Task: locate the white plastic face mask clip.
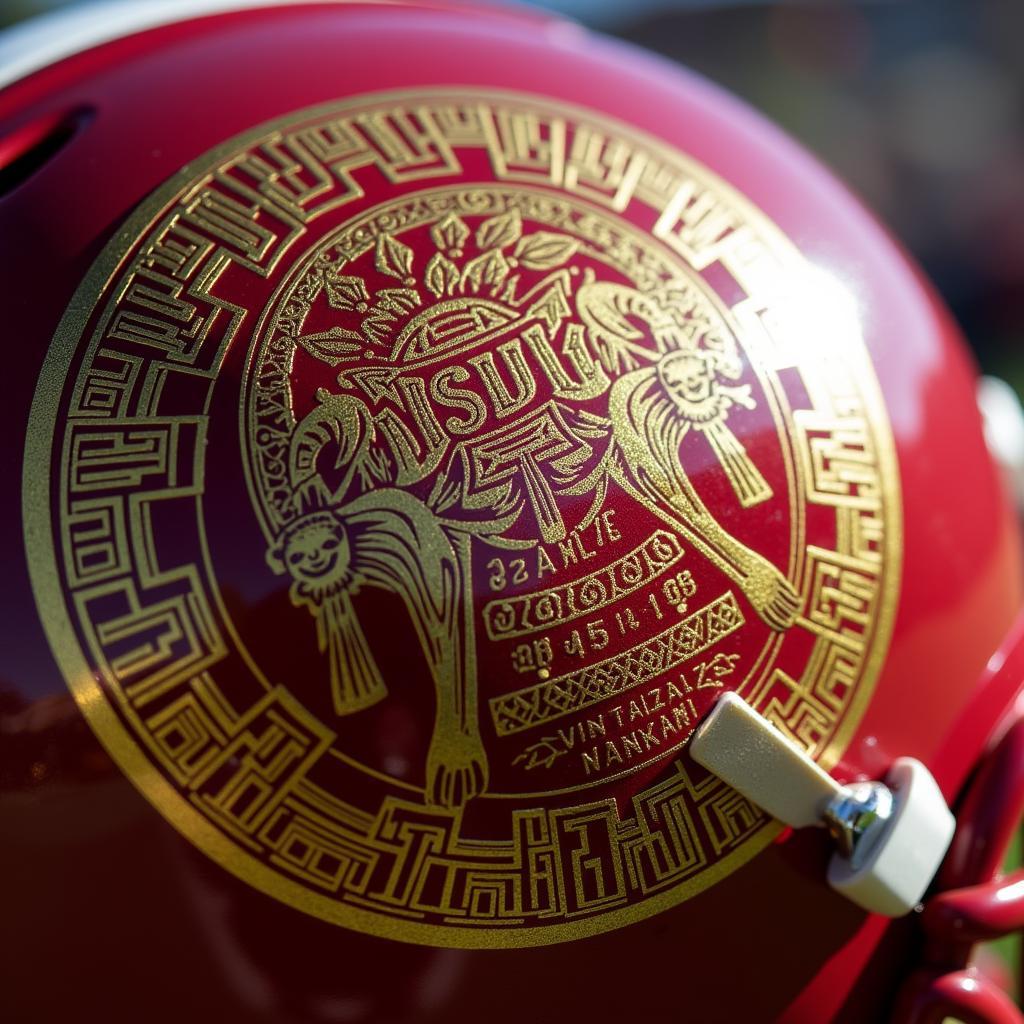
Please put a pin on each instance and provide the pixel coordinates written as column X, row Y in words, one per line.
column 891, row 837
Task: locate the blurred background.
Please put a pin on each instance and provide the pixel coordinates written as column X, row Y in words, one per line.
column 917, row 104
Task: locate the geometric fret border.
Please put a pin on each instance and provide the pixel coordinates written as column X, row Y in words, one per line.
column 139, row 636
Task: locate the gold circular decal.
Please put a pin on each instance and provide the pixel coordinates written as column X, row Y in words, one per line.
column 407, row 480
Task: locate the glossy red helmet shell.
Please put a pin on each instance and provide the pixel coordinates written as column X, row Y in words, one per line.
column 509, row 394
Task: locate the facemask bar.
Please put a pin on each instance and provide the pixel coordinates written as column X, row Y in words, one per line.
column 972, row 901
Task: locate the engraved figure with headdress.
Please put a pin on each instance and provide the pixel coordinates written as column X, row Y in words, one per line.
column 683, row 383
column 387, row 538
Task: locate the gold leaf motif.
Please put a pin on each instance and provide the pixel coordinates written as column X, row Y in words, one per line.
column 393, row 257
column 449, row 233
column 442, row 275
column 346, row 292
column 491, row 268
column 543, row 250
column 497, row 232
column 379, row 326
column 397, row 300
column 333, row 346
column 391, row 304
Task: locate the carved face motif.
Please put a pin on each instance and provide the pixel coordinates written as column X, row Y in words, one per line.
column 317, row 553
column 687, row 378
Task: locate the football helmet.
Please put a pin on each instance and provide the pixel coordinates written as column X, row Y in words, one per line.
column 486, row 496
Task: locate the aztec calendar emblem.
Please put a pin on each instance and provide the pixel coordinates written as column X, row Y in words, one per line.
column 421, row 468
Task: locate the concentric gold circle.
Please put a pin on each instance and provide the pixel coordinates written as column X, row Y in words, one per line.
column 510, row 381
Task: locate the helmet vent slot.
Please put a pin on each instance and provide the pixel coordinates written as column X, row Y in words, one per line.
column 29, row 148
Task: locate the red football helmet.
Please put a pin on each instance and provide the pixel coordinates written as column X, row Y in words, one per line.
column 480, row 485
